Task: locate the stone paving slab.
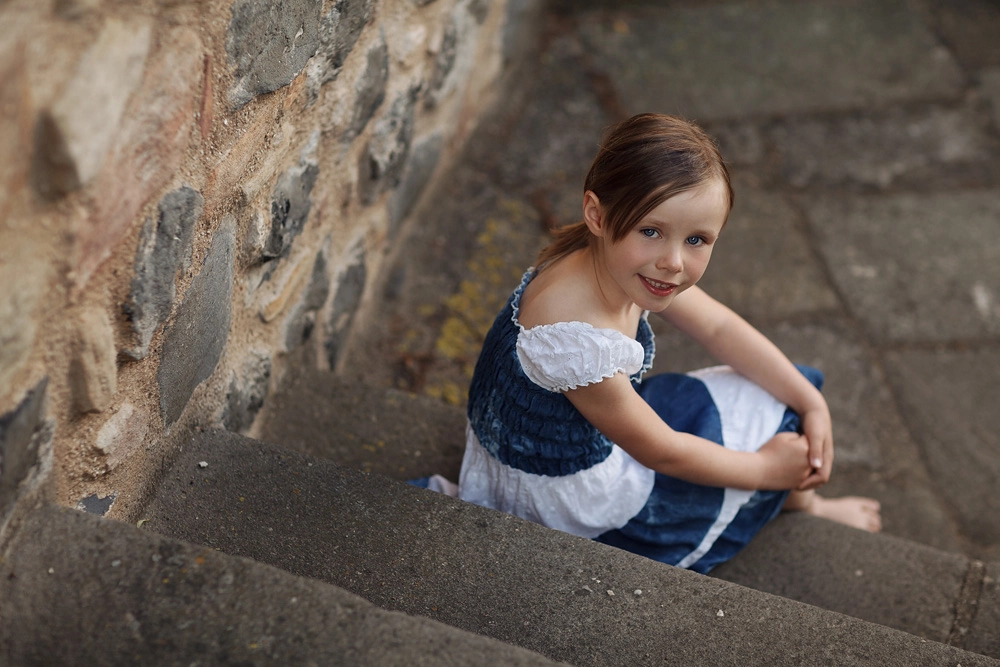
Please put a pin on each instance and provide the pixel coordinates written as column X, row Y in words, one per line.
column 912, row 267
column 750, row 59
column 763, row 266
column 949, row 399
column 423, row 553
column 80, row 590
column 932, row 147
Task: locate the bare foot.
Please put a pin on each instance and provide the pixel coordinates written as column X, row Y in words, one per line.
column 863, row 513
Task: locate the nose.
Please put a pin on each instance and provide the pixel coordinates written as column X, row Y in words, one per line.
column 671, row 260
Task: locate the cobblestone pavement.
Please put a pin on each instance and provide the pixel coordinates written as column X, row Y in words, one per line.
column 864, row 140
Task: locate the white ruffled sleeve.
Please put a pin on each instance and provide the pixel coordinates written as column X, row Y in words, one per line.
column 567, row 355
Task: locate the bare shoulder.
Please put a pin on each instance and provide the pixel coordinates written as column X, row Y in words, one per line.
column 559, row 293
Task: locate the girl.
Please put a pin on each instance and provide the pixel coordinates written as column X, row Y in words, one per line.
column 563, row 428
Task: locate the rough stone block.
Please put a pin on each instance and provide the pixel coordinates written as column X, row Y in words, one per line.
column 416, row 175
column 381, row 164
column 97, row 504
column 290, row 205
column 924, row 285
column 18, row 266
column 73, row 137
column 23, row 434
column 339, row 32
column 247, row 391
column 194, row 343
column 713, row 61
column 269, row 44
column 444, row 63
column 302, row 319
column 350, row 287
column 369, row 88
column 123, row 433
column 970, row 30
column 164, row 248
column 94, row 372
column 149, row 146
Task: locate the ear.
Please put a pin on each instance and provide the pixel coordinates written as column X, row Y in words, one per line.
column 593, row 214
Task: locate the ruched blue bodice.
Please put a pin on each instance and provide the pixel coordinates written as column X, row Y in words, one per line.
column 524, row 425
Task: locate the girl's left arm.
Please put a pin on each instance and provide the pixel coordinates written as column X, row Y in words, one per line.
column 733, row 341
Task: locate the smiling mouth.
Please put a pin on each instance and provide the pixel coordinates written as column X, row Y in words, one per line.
column 658, row 288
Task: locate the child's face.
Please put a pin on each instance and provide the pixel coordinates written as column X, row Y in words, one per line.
column 668, row 251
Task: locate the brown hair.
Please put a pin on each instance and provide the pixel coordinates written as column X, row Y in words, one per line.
column 642, row 162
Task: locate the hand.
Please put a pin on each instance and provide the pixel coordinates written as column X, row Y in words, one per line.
column 818, row 430
column 785, row 462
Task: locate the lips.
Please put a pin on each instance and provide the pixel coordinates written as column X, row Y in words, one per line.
column 657, row 288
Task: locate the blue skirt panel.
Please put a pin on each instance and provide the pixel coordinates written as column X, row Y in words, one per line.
column 673, row 525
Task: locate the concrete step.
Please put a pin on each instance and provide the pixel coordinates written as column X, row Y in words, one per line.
column 927, row 592
column 410, row 550
column 76, row 589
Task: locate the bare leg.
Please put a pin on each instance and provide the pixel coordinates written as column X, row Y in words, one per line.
column 863, row 513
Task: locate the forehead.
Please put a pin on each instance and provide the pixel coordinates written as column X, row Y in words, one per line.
column 707, row 205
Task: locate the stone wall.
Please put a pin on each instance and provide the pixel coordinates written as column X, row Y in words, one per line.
column 191, row 191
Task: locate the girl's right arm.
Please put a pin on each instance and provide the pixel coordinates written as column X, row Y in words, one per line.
column 617, row 411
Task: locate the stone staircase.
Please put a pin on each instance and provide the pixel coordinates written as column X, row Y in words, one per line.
column 312, row 553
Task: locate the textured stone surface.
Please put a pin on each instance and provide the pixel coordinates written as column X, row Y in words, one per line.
column 338, row 33
column 269, row 44
column 445, row 60
column 888, row 581
column 384, row 156
column 194, row 342
column 164, row 248
column 762, row 266
column 970, row 29
column 290, row 206
column 369, row 88
column 933, row 144
column 388, row 432
column 714, row 61
column 915, row 267
column 948, row 398
column 420, row 166
column 149, row 146
column 104, row 593
column 18, row 308
column 302, row 318
column 415, row 551
column 984, row 635
column 248, row 389
column 94, row 370
column 74, row 136
column 122, row 434
column 23, row 433
column 350, row 287
column 990, row 86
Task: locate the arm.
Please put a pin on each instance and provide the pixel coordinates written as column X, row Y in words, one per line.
column 616, row 410
column 732, row 340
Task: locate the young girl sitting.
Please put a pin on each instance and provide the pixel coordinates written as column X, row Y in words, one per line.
column 563, row 428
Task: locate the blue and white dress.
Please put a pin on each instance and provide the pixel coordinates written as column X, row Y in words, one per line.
column 530, row 453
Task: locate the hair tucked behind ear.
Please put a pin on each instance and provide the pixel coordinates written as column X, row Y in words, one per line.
column 641, row 163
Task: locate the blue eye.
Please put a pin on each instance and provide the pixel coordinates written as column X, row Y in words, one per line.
column 695, row 240
column 649, row 233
